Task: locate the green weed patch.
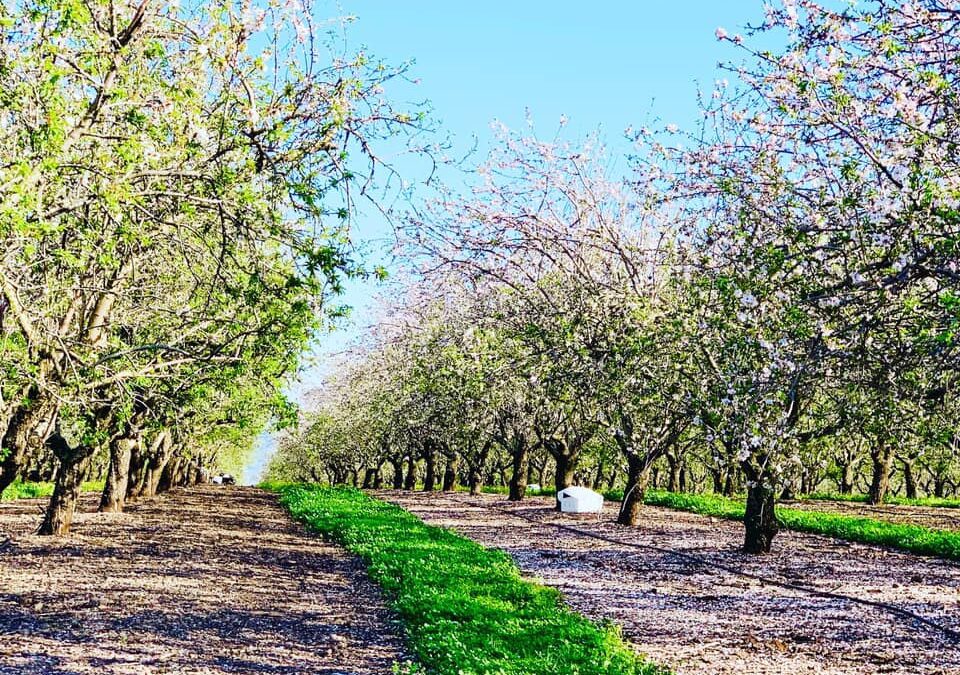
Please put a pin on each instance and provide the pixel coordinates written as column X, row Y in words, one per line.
column 32, row 490
column 911, row 538
column 465, row 607
column 936, row 502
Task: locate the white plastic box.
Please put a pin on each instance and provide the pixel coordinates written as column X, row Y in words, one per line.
column 580, row 500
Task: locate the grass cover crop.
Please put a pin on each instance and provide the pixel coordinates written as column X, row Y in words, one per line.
column 912, row 538
column 32, row 490
column 936, row 502
column 465, row 607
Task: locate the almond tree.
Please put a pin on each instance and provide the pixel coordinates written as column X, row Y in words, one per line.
column 172, row 206
column 822, row 190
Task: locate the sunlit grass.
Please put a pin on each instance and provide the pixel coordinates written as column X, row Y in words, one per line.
column 465, row 607
column 34, row 490
column 938, row 502
column 912, row 538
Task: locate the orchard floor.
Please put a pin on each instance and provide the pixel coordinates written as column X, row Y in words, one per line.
column 205, row 580
column 699, row 619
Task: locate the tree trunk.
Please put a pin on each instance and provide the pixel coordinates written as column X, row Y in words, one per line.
column 612, row 478
column 909, row 482
column 175, row 472
column 477, row 461
column 730, row 484
column 597, row 484
column 138, row 458
column 521, row 470
column 638, row 473
column 115, row 488
column 370, row 478
column 450, row 474
column 397, row 473
column 847, row 476
column 939, row 487
column 788, row 493
column 673, row 483
column 157, row 463
column 563, row 475
column 66, row 491
column 717, row 474
column 19, row 436
column 882, row 459
column 760, row 519
column 430, row 474
column 411, row 480
column 475, row 479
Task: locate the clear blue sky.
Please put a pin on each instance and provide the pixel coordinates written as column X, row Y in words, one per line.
column 603, row 63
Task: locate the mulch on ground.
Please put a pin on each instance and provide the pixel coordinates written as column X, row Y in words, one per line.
column 697, row 618
column 205, row 580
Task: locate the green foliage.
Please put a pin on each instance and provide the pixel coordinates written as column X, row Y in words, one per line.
column 912, row 538
column 937, row 502
column 466, row 608
column 33, row 490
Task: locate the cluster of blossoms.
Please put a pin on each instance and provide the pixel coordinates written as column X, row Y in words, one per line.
column 759, row 297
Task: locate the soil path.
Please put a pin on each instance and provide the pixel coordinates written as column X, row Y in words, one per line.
column 699, row 619
column 206, row 580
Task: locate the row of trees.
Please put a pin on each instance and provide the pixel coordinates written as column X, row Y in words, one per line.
column 762, row 303
column 175, row 187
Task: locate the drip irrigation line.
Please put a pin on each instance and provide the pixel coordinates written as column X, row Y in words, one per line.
column 952, row 634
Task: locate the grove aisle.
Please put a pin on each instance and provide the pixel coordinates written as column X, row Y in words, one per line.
column 205, row 580
column 699, row 619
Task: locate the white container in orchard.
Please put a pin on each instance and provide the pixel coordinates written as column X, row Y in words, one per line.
column 534, row 487
column 580, row 500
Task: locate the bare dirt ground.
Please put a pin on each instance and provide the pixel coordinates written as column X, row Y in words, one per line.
column 936, row 517
column 206, row 580
column 696, row 618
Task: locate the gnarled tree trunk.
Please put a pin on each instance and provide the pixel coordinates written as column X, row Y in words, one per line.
column 881, row 457
column 909, row 481
column 114, row 494
column 430, row 460
column 66, row 491
column 410, row 482
column 760, row 519
column 450, row 473
column 847, row 477
column 638, row 473
column 673, row 484
column 397, row 463
column 477, row 462
column 158, row 463
column 520, row 452
column 25, row 427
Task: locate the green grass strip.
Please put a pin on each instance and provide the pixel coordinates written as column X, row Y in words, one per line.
column 934, row 502
column 33, row 490
column 912, row 538
column 465, row 607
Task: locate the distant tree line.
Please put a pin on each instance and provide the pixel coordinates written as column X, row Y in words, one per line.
column 767, row 305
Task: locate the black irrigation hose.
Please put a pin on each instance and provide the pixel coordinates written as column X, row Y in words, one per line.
column 952, row 634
